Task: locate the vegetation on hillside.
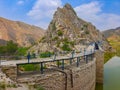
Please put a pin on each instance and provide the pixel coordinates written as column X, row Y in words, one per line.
column 108, row 56
column 116, row 46
column 12, row 49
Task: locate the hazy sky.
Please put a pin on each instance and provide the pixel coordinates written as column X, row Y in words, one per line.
column 104, row 14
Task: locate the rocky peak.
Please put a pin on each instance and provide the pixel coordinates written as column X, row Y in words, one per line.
column 68, row 30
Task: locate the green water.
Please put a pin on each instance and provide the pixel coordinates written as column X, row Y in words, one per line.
column 112, row 74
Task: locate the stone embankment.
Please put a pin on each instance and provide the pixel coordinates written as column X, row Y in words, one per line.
column 74, row 78
column 83, row 77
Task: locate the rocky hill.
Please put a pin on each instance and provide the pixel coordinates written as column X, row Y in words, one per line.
column 112, row 34
column 21, row 33
column 67, row 32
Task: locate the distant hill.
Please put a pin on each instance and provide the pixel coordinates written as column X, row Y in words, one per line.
column 67, row 32
column 20, row 32
column 113, row 37
column 112, row 32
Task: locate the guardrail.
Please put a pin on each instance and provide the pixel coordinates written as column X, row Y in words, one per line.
column 74, row 58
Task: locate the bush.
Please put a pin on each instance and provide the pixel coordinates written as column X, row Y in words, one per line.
column 2, row 86
column 72, row 43
column 55, row 38
column 22, row 51
column 66, row 47
column 46, row 54
column 30, row 67
column 87, row 32
column 58, row 63
column 60, row 33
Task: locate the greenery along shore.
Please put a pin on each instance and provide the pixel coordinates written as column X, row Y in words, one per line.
column 116, row 50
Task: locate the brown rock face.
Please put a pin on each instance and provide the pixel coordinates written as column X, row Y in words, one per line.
column 68, row 29
column 19, row 32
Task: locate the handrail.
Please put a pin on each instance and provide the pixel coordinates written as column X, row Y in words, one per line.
column 85, row 55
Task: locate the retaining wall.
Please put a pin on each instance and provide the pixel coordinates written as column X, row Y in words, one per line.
column 76, row 78
column 73, row 78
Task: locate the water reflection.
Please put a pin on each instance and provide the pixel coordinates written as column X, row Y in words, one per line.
column 112, row 74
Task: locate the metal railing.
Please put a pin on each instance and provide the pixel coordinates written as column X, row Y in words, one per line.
column 73, row 59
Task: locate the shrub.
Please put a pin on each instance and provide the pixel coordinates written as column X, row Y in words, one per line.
column 87, row 32
column 58, row 43
column 66, row 47
column 65, row 40
column 58, row 63
column 72, row 43
column 22, row 51
column 60, row 33
column 46, row 54
column 55, row 38
column 30, row 67
column 2, row 86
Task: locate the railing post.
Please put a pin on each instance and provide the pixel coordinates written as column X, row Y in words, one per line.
column 55, row 56
column 70, row 61
column 41, row 67
column 80, row 50
column 63, row 64
column 73, row 52
column 17, row 71
column 58, row 63
column 86, row 58
column 84, row 54
column 78, row 61
column 91, row 54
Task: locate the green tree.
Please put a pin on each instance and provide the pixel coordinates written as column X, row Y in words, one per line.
column 22, row 51
column 11, row 47
column 3, row 49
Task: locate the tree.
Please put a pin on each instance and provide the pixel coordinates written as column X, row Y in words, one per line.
column 11, row 47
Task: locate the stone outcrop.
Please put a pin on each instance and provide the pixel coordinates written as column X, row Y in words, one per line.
column 21, row 33
column 67, row 29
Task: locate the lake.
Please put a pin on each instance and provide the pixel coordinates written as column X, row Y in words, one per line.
column 112, row 74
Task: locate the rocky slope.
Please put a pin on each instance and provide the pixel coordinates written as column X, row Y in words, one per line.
column 112, row 34
column 67, row 32
column 21, row 33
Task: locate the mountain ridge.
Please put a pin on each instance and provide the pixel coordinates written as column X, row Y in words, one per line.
column 19, row 32
column 112, row 32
